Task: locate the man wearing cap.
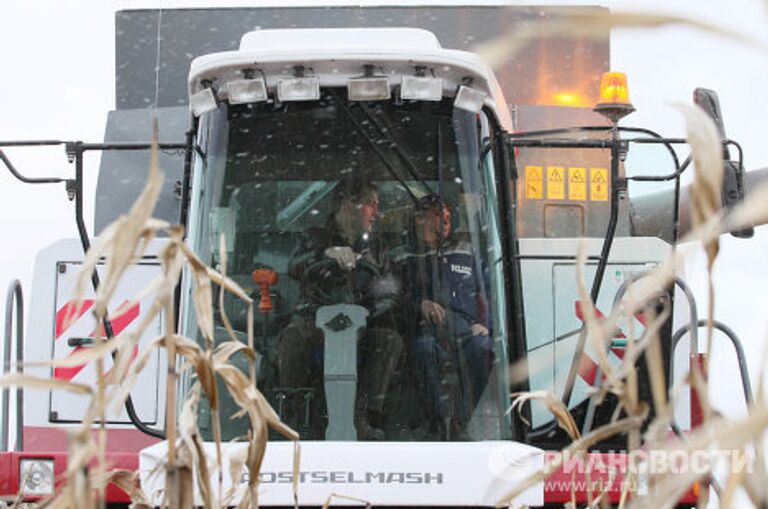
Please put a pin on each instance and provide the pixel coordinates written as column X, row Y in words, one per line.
column 446, row 317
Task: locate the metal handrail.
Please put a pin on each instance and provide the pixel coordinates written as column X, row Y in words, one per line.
column 744, row 372
column 14, row 295
column 692, row 311
column 746, row 385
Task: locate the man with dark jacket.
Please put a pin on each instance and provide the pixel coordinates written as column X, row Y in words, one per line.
column 342, row 263
column 446, row 317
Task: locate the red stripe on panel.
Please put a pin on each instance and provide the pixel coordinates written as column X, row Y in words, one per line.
column 69, row 314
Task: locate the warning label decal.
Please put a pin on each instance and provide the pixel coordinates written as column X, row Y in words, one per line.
column 534, row 183
column 577, row 184
column 555, row 183
column 598, row 184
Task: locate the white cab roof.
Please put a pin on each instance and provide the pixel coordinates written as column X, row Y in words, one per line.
column 336, row 54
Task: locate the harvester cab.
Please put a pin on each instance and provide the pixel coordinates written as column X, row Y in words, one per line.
column 284, row 142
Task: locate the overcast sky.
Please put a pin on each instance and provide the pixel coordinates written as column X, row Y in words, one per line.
column 58, row 83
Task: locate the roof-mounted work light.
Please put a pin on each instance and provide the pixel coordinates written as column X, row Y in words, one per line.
column 614, row 97
column 368, row 87
column 247, row 90
column 373, row 88
column 204, row 100
column 299, row 88
column 421, row 88
column 469, row 99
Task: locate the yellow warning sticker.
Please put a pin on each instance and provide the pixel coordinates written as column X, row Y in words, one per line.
column 577, row 184
column 598, row 184
column 555, row 183
column 534, row 183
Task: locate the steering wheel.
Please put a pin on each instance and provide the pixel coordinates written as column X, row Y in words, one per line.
column 324, row 278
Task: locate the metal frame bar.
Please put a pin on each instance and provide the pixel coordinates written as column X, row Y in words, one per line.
column 746, row 384
column 14, row 294
column 75, row 151
column 618, row 147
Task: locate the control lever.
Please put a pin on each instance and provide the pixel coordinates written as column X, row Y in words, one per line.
column 265, row 278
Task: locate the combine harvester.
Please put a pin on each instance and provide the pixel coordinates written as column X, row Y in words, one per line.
column 276, row 124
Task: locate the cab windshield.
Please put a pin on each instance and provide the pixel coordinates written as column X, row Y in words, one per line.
column 373, row 227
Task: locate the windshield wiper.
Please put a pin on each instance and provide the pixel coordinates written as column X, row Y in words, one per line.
column 386, row 133
column 384, row 159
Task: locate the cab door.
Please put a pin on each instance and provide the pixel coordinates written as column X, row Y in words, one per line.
column 77, row 329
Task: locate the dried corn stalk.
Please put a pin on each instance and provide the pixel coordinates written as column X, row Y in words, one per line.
column 569, row 23
column 554, row 405
column 120, row 245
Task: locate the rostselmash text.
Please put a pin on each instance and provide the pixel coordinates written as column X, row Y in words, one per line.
column 349, row 477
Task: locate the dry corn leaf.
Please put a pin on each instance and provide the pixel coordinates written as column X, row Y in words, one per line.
column 127, row 481
column 647, row 288
column 251, row 364
column 120, row 244
column 261, row 415
column 734, row 481
column 575, row 23
column 272, row 418
column 580, row 445
column 222, row 308
column 243, row 393
column 719, row 433
column 104, row 246
column 86, row 355
column 63, row 499
column 597, row 334
column 655, row 362
column 217, row 278
column 88, row 266
column 131, row 229
column 164, row 288
column 203, row 299
column 330, row 498
column 237, row 459
column 636, row 348
column 605, row 488
column 296, row 470
column 554, row 405
column 225, row 350
column 33, row 382
column 189, row 436
column 707, row 156
column 180, row 484
column 250, row 398
column 82, row 449
column 170, row 399
column 706, row 191
column 123, row 390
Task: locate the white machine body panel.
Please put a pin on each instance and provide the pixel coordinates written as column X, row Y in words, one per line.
column 553, row 316
column 381, row 473
column 49, row 333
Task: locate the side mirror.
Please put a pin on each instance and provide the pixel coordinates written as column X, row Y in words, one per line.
column 707, row 100
column 733, row 172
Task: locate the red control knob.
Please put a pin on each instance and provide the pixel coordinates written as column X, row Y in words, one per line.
column 265, row 278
